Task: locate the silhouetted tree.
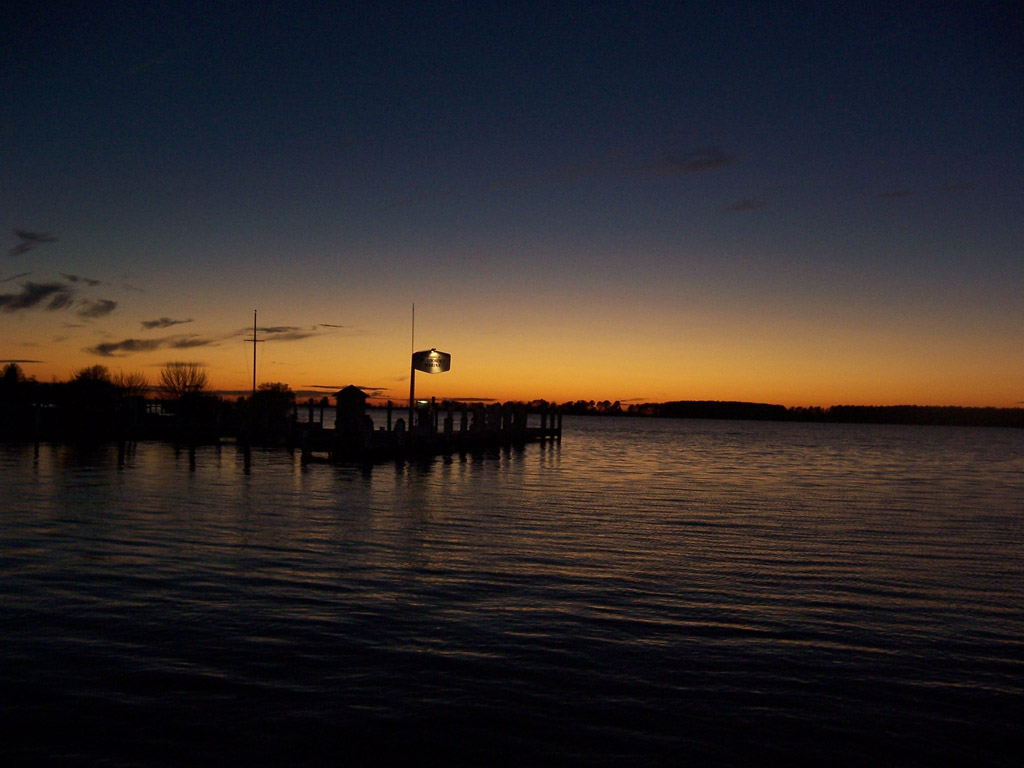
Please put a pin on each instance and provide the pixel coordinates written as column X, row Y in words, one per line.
column 269, row 410
column 92, row 373
column 178, row 380
column 12, row 374
column 17, row 393
column 13, row 383
column 131, row 383
column 92, row 386
column 88, row 404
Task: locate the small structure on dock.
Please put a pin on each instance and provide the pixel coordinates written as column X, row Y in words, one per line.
column 351, row 409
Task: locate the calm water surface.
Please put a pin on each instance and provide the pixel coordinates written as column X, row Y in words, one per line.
column 648, row 592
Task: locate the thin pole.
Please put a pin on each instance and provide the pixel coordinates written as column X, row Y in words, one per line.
column 254, row 341
column 254, row 351
column 412, row 367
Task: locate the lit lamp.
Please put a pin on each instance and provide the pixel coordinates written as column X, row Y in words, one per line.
column 428, row 361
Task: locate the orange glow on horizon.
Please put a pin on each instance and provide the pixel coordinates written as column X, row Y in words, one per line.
column 546, row 350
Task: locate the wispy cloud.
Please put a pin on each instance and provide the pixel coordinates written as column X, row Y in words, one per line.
column 130, row 346
column 694, row 161
column 113, row 348
column 281, row 332
column 286, row 332
column 18, row 360
column 29, row 241
column 79, row 279
column 15, row 277
column 163, row 322
column 188, row 342
column 293, row 334
column 50, row 296
column 749, row 204
column 278, row 329
column 54, row 297
column 94, row 309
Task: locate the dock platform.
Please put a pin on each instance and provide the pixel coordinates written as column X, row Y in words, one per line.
column 470, row 430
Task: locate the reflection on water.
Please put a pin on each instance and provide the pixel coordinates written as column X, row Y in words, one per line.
column 648, row 590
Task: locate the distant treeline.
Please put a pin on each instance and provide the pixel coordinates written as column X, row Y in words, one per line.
column 863, row 414
column 97, row 404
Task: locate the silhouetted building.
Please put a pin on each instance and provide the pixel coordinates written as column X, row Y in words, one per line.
column 350, row 421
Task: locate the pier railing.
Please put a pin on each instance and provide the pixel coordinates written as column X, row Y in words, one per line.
column 452, row 428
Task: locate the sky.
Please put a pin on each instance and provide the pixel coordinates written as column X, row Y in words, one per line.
column 796, row 203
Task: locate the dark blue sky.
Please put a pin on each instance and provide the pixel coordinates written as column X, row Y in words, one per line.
column 761, row 183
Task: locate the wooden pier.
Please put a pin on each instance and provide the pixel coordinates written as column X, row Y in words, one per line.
column 437, row 431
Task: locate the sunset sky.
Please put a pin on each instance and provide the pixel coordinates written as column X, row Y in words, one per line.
column 796, row 203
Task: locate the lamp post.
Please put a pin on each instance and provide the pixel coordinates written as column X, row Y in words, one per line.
column 427, row 361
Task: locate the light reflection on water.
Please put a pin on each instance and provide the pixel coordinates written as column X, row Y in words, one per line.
column 647, row 590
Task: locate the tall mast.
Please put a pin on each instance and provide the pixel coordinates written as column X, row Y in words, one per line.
column 254, row 341
column 254, row 351
column 412, row 368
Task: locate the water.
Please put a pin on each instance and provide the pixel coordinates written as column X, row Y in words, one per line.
column 649, row 592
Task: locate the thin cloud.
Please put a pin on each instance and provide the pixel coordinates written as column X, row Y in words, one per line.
column 274, row 329
column 119, row 348
column 282, row 332
column 79, row 279
column 163, row 322
column 198, row 363
column 745, row 205
column 30, row 241
column 18, row 360
column 697, row 161
column 188, row 342
column 35, row 237
column 93, row 309
column 15, row 277
column 287, row 333
column 49, row 296
column 63, row 300
column 131, row 346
